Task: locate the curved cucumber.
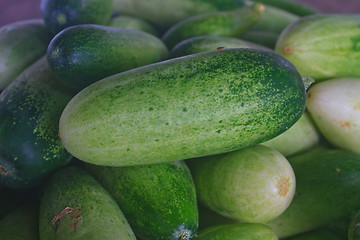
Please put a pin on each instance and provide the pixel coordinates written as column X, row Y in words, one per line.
column 83, row 54
column 164, row 196
column 75, row 206
column 30, row 108
column 21, row 44
column 323, row 46
column 201, row 104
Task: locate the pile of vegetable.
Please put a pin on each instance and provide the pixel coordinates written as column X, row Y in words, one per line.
column 180, row 119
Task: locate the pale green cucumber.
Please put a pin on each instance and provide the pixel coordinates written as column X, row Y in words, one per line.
column 201, row 104
column 323, row 46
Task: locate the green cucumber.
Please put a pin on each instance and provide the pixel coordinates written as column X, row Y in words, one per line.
column 323, row 46
column 316, row 235
column 131, row 22
column 86, row 53
column 75, row 206
column 164, row 196
column 244, row 231
column 327, row 183
column 60, row 14
column 30, row 109
column 208, row 43
column 230, row 23
column 252, row 185
column 294, row 7
column 264, row 38
column 21, row 44
column 201, row 104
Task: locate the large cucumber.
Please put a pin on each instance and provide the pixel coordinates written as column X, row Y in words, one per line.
column 323, row 46
column 30, row 108
column 164, row 196
column 21, row 44
column 201, row 104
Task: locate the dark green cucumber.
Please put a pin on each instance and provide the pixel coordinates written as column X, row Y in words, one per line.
column 131, row 22
column 192, row 106
column 327, row 188
column 60, row 14
column 264, row 38
column 21, row 44
column 158, row 200
column 75, row 206
column 230, row 23
column 291, row 6
column 30, row 108
column 241, row 231
column 83, row 54
column 21, row 223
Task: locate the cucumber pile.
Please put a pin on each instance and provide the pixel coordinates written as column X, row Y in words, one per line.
column 179, row 120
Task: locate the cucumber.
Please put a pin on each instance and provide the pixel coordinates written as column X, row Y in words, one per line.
column 230, row 23
column 315, row 235
column 131, row 22
column 187, row 107
column 252, row 185
column 291, row 6
column 60, row 14
column 21, row 223
column 21, row 44
column 30, row 109
column 323, row 46
column 75, row 206
column 334, row 106
column 164, row 196
column 86, row 53
column 326, row 190
column 264, row 38
column 301, row 137
column 244, row 231
column 208, row 43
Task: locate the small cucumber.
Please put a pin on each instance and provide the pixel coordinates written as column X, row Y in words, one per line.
column 131, row 22
column 21, row 44
column 60, row 14
column 158, row 200
column 253, row 185
column 243, row 231
column 327, row 183
column 323, row 46
column 75, row 206
column 230, row 23
column 208, row 43
column 86, row 53
column 30, row 109
column 187, row 107
column 294, row 7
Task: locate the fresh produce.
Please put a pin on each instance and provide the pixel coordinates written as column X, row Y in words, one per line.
column 21, row 44
column 316, row 235
column 290, row 6
column 201, row 104
column 354, row 226
column 131, row 22
column 83, row 54
column 264, row 38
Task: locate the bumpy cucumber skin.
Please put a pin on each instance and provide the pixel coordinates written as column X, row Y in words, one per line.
column 60, row 14
column 94, row 214
column 21, row 44
column 323, row 46
column 164, row 196
column 30, row 108
column 326, row 190
column 83, row 54
column 244, row 231
column 230, row 23
column 201, row 104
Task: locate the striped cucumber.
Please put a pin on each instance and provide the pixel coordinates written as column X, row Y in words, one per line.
column 201, row 104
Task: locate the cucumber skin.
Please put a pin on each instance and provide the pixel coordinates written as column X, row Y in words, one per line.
column 100, row 216
column 21, row 44
column 184, row 108
column 326, row 190
column 131, row 22
column 83, row 54
column 290, row 6
column 30, row 108
column 164, row 196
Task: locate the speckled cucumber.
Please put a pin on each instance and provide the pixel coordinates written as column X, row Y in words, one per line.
column 21, row 44
column 30, row 108
column 244, row 231
column 230, row 23
column 164, row 196
column 192, row 106
column 83, row 54
column 60, row 14
column 75, row 206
